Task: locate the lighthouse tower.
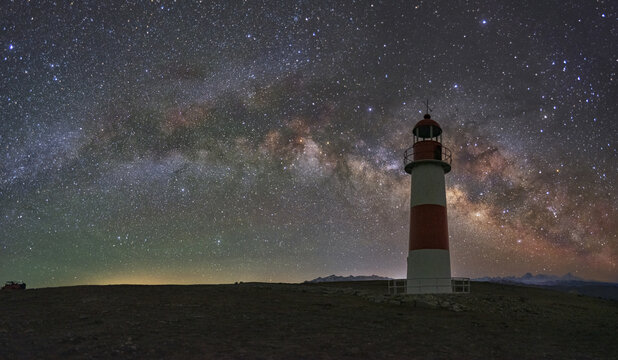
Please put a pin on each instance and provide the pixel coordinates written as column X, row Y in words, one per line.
column 429, row 263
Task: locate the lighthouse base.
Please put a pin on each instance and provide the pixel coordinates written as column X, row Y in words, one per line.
column 429, row 272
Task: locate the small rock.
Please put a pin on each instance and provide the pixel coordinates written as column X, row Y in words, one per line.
column 457, row 308
column 377, row 299
column 408, row 300
column 426, row 304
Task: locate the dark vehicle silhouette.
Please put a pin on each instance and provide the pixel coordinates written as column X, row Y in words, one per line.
column 14, row 285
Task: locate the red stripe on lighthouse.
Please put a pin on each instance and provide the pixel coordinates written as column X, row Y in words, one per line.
column 428, row 227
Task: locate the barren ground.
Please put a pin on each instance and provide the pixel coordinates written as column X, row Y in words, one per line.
column 297, row 321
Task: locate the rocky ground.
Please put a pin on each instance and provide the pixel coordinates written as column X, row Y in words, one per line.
column 353, row 320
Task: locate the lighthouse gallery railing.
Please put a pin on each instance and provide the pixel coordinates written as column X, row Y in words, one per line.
column 445, row 155
column 459, row 285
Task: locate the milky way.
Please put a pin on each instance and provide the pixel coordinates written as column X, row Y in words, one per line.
column 178, row 142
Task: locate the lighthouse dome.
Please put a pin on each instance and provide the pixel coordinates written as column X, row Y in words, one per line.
column 427, row 128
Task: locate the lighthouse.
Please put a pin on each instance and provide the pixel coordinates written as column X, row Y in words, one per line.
column 427, row 161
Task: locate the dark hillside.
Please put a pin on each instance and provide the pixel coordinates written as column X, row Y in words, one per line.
column 303, row 321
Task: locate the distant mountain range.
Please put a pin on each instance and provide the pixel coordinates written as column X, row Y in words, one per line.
column 528, row 279
column 539, row 279
column 334, row 278
column 567, row 283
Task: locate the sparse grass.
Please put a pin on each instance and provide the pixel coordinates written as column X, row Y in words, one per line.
column 302, row 321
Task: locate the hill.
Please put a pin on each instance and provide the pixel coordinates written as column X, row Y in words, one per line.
column 566, row 283
column 530, row 279
column 334, row 320
column 336, row 278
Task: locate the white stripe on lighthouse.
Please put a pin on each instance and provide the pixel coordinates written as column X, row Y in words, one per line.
column 428, row 185
column 429, row 272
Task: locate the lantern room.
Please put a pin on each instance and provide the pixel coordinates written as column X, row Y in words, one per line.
column 427, row 145
column 427, row 129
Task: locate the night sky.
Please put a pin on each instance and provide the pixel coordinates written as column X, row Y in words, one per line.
column 179, row 142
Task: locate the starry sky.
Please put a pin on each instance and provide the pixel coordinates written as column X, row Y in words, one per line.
column 210, row 142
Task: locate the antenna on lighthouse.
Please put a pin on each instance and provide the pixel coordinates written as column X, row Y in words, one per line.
column 428, row 109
